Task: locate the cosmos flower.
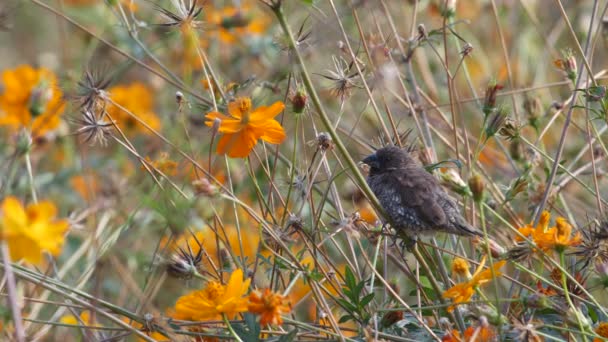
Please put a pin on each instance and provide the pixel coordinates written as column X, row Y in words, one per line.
column 268, row 305
column 558, row 237
column 244, row 126
column 137, row 99
column 215, row 300
column 32, row 230
column 462, row 292
column 30, row 98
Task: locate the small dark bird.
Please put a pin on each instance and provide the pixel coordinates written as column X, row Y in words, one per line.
column 412, row 198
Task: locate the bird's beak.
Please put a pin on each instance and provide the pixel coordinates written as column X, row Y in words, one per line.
column 372, row 161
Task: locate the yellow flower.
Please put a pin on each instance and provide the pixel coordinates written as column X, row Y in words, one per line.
column 29, row 231
column 242, row 129
column 462, row 292
column 85, row 318
column 461, row 267
column 137, row 99
column 545, row 238
column 215, row 300
column 269, row 305
column 30, row 98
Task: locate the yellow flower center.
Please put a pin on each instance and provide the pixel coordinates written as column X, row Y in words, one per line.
column 214, row 290
column 460, row 267
column 244, row 108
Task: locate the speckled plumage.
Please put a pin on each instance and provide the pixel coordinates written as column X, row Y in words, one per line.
column 412, row 197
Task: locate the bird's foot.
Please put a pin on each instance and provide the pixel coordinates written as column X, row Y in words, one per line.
column 408, row 242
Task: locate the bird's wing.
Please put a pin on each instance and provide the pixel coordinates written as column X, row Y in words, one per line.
column 418, row 190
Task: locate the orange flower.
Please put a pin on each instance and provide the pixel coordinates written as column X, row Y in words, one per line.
column 163, row 164
column 269, row 305
column 233, row 23
column 452, row 336
column 602, row 330
column 32, row 230
column 242, row 129
column 462, row 292
column 214, row 300
column 30, row 98
column 479, row 334
column 137, row 99
column 545, row 238
column 86, row 185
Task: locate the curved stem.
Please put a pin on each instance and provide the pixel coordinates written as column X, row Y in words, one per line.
column 232, row 332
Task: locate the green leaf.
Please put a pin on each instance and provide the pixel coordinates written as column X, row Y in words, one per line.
column 367, row 299
column 346, row 318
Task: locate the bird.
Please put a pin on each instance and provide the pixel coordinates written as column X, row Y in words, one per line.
column 412, row 198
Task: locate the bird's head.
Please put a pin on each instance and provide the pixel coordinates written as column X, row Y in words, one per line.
column 387, row 159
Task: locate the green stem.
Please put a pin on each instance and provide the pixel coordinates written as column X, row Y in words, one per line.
column 562, row 261
column 232, row 332
column 323, row 115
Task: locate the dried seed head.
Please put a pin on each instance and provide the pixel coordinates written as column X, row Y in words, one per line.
column 510, row 130
column 184, row 262
column 594, row 245
column 519, row 185
column 92, row 88
column 520, row 252
column 324, row 141
column 94, row 128
column 467, row 49
column 203, row 187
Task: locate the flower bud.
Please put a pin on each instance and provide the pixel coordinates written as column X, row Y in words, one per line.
column 495, row 122
column 298, row 101
column 476, row 185
column 489, row 102
column 534, row 110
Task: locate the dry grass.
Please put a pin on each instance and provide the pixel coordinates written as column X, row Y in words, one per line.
column 503, row 101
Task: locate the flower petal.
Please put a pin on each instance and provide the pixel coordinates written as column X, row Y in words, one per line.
column 265, row 113
column 237, row 145
column 14, row 216
column 271, row 131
